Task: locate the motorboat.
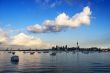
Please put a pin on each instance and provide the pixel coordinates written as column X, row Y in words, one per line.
column 32, row 53
column 38, row 52
column 53, row 54
column 15, row 58
column 13, row 53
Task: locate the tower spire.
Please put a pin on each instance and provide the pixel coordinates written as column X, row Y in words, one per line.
column 77, row 44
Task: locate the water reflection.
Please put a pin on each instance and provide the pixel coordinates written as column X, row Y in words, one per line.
column 15, row 63
column 99, row 68
column 62, row 62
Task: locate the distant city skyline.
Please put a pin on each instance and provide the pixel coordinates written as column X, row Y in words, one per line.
column 45, row 23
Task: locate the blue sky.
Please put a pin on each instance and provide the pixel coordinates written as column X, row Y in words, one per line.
column 19, row 14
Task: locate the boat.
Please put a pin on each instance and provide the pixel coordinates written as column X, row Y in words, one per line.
column 32, row 53
column 53, row 54
column 13, row 53
column 38, row 52
column 15, row 58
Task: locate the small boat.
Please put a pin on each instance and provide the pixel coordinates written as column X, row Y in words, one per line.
column 38, row 52
column 32, row 53
column 15, row 58
column 13, row 53
column 53, row 54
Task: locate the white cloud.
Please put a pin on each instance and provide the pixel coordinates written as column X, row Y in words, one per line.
column 63, row 21
column 35, row 27
column 3, row 37
column 28, row 41
column 21, row 40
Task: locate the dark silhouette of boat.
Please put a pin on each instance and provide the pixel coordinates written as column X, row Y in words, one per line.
column 38, row 52
column 13, row 53
column 53, row 54
column 15, row 58
column 32, row 53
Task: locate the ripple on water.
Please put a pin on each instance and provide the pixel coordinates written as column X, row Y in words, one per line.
column 99, row 68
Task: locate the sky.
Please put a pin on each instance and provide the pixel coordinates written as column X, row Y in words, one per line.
column 46, row 23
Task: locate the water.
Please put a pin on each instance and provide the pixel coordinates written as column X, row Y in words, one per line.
column 62, row 62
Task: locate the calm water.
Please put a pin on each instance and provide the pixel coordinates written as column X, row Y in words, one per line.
column 63, row 62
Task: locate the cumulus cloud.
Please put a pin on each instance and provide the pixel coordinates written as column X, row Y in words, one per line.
column 21, row 40
column 28, row 41
column 3, row 37
column 63, row 21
